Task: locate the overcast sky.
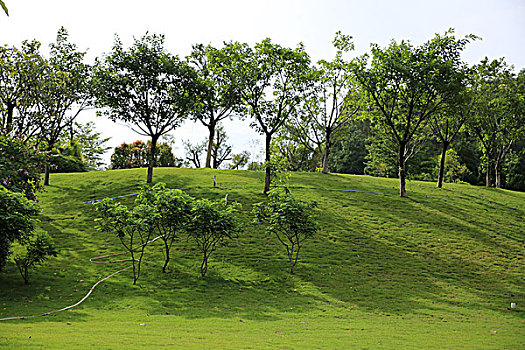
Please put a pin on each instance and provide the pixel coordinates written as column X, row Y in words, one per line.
column 93, row 24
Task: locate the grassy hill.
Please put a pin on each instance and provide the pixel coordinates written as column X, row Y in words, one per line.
column 435, row 270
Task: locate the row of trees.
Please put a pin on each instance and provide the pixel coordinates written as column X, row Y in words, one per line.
column 167, row 214
column 407, row 94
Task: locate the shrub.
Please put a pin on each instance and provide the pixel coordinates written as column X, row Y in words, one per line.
column 17, row 220
column 37, row 249
column 289, row 220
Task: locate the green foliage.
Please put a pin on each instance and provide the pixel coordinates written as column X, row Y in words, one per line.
column 239, row 160
column 515, row 171
column 349, row 149
column 147, row 88
column 91, row 146
column 67, row 159
column 174, row 209
column 133, row 227
column 61, row 92
column 20, row 69
column 136, row 154
column 407, row 84
column 17, row 220
column 220, row 96
column 454, row 171
column 298, row 153
column 271, row 79
column 210, row 224
column 499, row 119
column 331, row 103
column 37, row 249
column 20, row 166
column 289, row 220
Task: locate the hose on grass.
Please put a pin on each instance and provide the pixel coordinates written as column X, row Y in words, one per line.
column 95, row 261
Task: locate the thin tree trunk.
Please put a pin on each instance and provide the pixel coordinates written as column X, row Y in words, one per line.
column 204, row 265
column 166, row 262
column 488, row 174
column 267, row 178
column 46, row 175
column 151, row 162
column 326, row 152
column 442, row 165
column 402, row 171
column 135, row 278
column 9, row 121
column 497, row 173
column 211, row 129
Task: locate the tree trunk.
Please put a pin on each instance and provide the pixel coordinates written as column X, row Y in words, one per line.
column 151, row 161
column 290, row 257
column 167, row 249
column 9, row 121
column 402, row 172
column 442, row 165
column 46, row 175
column 497, row 173
column 204, row 265
column 326, row 153
column 267, row 178
column 211, row 129
column 488, row 174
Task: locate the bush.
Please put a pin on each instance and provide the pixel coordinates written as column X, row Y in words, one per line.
column 37, row 249
column 135, row 155
column 20, row 166
column 17, row 220
column 67, row 164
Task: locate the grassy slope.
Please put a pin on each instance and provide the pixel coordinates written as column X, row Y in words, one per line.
column 421, row 272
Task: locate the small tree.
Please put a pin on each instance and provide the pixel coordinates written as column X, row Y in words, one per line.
column 210, row 224
column 37, row 249
column 133, row 227
column 289, row 220
column 174, row 209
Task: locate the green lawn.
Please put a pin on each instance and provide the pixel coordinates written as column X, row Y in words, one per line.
column 435, row 270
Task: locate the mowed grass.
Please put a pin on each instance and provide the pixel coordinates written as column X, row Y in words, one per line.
column 436, row 270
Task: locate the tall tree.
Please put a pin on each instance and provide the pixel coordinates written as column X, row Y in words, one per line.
column 62, row 92
column 220, row 97
column 146, row 87
column 499, row 113
column 447, row 122
column 271, row 79
column 331, row 104
column 19, row 68
column 407, row 84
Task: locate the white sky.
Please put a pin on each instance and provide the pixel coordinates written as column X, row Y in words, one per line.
column 92, row 25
